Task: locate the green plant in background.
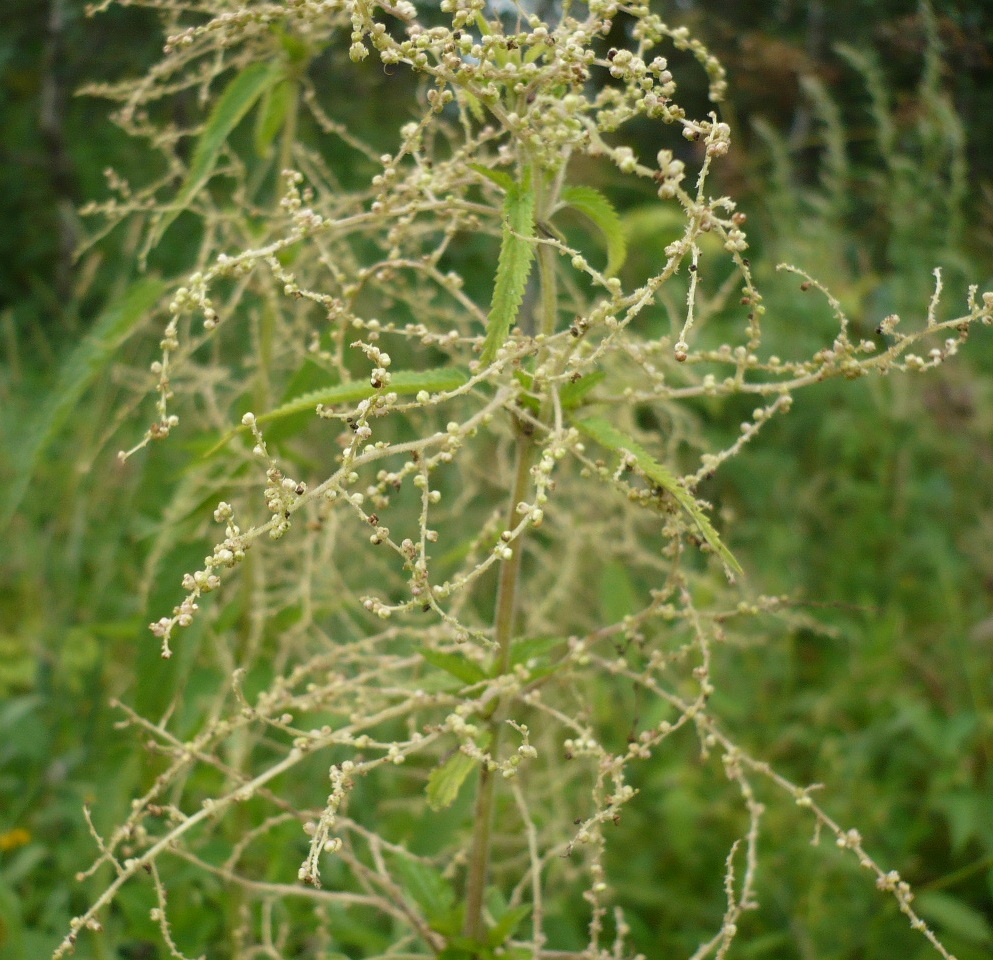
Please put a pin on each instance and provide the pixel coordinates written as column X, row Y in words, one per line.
column 498, row 628
column 871, row 464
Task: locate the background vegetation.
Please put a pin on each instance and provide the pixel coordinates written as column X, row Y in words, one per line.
column 871, row 505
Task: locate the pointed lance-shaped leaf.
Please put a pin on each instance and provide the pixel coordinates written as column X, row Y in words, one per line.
column 239, row 96
column 514, row 266
column 606, row 434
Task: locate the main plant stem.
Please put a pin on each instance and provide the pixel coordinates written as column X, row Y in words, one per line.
column 503, row 623
column 506, row 605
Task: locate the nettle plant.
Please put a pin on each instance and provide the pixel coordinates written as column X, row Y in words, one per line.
column 416, row 371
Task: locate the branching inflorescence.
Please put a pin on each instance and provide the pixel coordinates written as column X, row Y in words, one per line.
column 448, row 471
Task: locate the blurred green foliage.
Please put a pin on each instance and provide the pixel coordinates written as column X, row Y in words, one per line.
column 871, row 505
column 53, row 154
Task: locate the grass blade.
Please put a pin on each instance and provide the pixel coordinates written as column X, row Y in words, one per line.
column 79, row 370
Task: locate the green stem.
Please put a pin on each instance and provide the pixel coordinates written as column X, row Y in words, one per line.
column 549, row 291
column 479, row 859
column 506, row 607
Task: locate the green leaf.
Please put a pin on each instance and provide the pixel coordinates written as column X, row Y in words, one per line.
column 500, row 177
column 474, row 105
column 954, row 916
column 516, row 256
column 573, row 394
column 596, row 207
column 308, row 376
column 297, row 50
column 462, row 948
column 424, row 885
column 80, row 369
column 495, row 901
column 272, row 115
column 455, row 664
column 238, row 98
column 402, row 382
column 535, row 655
column 570, row 396
column 606, row 434
column 533, row 648
column 527, row 400
column 445, row 781
column 507, row 924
